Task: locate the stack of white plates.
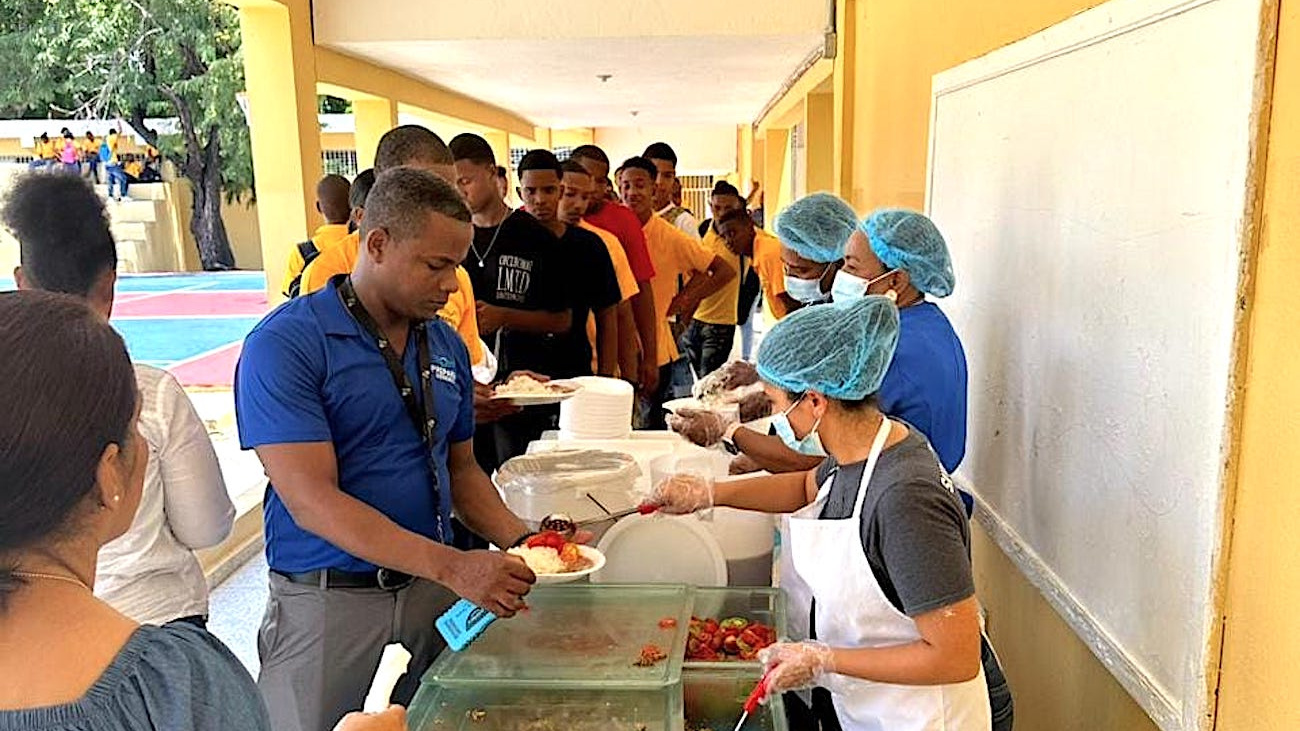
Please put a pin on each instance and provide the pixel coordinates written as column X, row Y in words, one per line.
column 601, row 410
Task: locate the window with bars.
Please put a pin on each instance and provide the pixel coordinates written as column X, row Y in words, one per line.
column 339, row 162
column 695, row 194
column 517, row 154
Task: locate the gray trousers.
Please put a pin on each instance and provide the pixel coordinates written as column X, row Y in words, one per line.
column 320, row 648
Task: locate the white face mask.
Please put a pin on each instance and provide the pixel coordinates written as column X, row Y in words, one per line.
column 849, row 287
column 810, row 445
column 807, row 291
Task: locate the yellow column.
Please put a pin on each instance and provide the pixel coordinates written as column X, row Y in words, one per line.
column 819, row 141
column 776, row 173
column 542, row 136
column 844, row 99
column 373, row 117
column 1257, row 689
column 745, row 173
column 280, row 76
column 500, row 143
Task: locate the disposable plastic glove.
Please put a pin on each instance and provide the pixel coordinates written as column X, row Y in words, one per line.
column 702, row 428
column 796, row 666
column 683, row 493
column 738, row 373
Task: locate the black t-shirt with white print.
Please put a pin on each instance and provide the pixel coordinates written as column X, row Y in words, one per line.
column 517, row 265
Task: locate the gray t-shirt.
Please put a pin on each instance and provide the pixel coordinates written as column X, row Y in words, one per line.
column 172, row 677
column 914, row 529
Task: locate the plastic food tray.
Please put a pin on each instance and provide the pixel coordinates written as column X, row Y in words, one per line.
column 714, row 700
column 756, row 604
column 576, row 637
column 526, row 709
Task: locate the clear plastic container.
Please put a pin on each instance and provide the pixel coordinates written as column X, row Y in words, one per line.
column 754, row 604
column 577, row 637
column 713, row 701
column 527, row 709
column 577, row 482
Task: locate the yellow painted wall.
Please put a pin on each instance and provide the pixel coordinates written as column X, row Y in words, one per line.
column 1260, row 673
column 898, row 46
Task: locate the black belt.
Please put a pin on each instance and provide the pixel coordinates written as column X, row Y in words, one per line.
column 385, row 579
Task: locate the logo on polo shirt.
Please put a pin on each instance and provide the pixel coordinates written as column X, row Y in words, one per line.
column 443, row 369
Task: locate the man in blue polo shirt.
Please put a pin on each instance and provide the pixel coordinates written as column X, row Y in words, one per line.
column 360, row 403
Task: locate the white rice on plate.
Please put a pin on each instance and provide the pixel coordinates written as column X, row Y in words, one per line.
column 541, row 560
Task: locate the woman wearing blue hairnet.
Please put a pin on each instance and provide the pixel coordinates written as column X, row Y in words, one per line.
column 901, row 254
column 875, row 556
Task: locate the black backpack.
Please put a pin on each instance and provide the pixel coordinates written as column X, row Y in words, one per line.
column 309, row 253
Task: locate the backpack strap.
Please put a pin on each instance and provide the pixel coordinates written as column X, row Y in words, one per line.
column 309, row 253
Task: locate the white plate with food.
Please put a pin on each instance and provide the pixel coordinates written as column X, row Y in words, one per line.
column 523, row 390
column 558, row 566
column 690, row 402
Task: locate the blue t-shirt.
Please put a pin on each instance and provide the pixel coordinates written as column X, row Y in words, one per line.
column 926, row 382
column 310, row 373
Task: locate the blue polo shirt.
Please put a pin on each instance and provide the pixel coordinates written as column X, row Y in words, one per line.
column 310, row 373
column 926, row 382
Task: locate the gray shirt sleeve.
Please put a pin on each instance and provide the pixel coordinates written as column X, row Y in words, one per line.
column 919, row 541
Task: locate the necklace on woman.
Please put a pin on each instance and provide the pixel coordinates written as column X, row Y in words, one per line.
column 493, row 242
column 52, row 577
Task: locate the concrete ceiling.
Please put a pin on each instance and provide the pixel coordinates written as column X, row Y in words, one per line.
column 672, row 62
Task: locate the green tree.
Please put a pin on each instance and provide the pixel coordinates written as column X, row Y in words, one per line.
column 133, row 59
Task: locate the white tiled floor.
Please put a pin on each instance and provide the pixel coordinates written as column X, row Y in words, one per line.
column 235, row 610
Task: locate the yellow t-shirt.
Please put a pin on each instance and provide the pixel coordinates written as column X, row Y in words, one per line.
column 90, row 147
column 627, row 286
column 46, row 150
column 771, row 272
column 133, row 168
column 720, row 307
column 325, row 237
column 673, row 254
column 338, row 259
column 113, row 138
column 460, row 311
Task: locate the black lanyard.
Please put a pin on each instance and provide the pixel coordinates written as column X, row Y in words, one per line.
column 421, row 409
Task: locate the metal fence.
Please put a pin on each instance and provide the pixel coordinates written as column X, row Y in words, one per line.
column 339, row 162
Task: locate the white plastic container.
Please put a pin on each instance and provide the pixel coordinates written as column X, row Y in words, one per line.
column 536, row 485
column 745, row 537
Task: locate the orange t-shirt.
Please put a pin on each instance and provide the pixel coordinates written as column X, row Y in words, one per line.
column 674, row 254
column 460, row 311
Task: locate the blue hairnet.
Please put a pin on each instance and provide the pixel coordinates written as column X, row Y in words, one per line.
column 817, row 227
column 841, row 350
column 910, row 241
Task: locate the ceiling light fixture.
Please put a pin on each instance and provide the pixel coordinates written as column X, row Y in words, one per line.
column 604, row 77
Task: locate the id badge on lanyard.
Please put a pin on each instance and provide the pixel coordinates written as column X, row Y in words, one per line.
column 421, row 409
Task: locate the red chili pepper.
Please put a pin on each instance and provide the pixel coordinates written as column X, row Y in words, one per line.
column 667, row 623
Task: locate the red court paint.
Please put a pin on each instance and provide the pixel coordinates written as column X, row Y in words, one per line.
column 214, row 370
column 192, row 304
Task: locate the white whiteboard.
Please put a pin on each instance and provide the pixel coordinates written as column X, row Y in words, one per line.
column 1094, row 183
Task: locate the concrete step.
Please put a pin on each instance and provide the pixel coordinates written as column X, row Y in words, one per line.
column 134, row 211
column 130, row 231
column 139, row 191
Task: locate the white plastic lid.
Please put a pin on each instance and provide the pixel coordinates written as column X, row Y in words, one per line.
column 659, row 549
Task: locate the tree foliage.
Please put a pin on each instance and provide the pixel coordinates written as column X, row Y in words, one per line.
column 133, row 59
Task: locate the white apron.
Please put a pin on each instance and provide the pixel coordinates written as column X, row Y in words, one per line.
column 828, row 564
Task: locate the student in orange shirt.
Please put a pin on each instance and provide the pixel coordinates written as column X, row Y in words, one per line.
column 685, row 273
column 332, row 202
column 579, row 188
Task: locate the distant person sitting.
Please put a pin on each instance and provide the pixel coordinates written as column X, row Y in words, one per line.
column 42, row 152
column 133, row 168
column 150, row 573
column 152, row 170
column 332, row 202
